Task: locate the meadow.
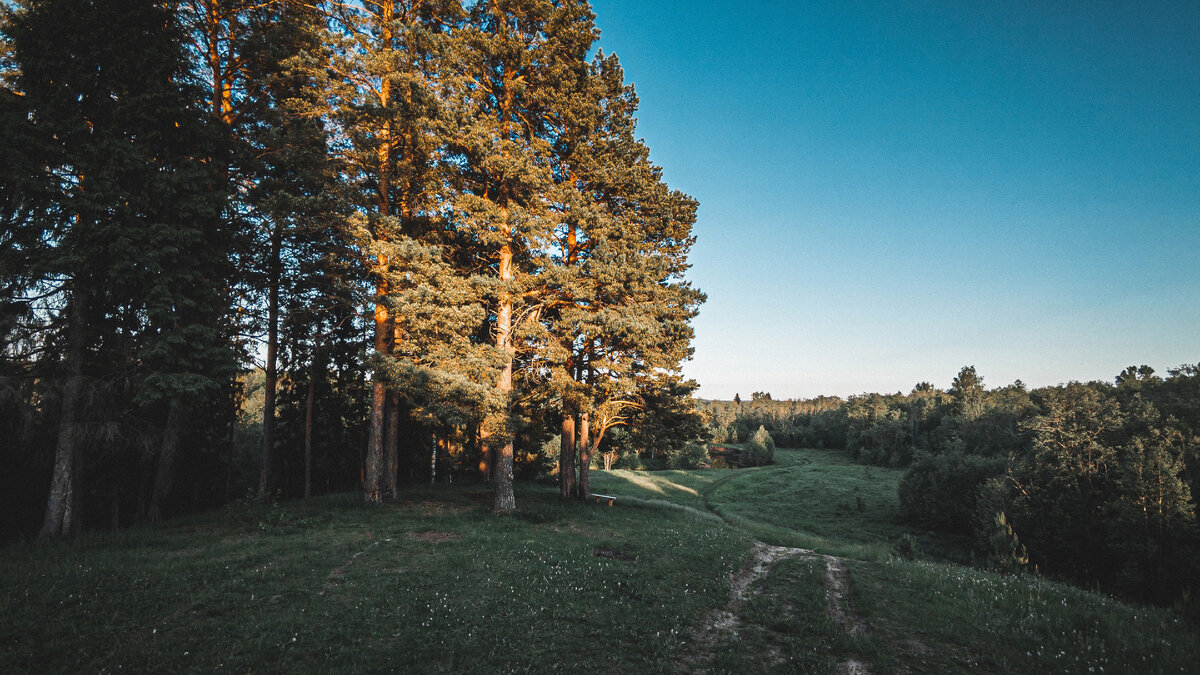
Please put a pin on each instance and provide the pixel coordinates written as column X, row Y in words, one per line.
column 435, row 582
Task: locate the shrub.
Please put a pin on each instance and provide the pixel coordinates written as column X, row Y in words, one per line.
column 630, row 459
column 690, row 456
column 1007, row 554
column 940, row 491
column 759, row 450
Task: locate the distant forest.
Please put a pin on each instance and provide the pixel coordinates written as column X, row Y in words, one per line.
column 1094, row 482
column 276, row 248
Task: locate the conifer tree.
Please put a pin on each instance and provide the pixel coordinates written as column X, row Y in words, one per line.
column 138, row 248
column 295, row 196
column 622, row 310
column 391, row 58
column 521, row 60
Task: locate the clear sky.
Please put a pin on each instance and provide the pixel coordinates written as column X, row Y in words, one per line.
column 892, row 190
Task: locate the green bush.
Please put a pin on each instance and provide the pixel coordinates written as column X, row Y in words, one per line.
column 939, row 491
column 759, row 450
column 690, row 456
column 630, row 459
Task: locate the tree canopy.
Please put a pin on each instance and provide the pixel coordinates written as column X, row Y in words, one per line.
column 291, row 247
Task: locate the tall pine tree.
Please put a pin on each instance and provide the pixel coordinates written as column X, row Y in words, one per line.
column 138, row 244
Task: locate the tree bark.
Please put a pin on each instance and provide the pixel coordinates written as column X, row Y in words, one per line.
column 566, row 455
column 308, row 423
column 392, row 463
column 504, row 499
column 373, row 466
column 266, row 480
column 433, row 460
column 164, row 477
column 372, row 477
column 60, row 518
column 585, row 457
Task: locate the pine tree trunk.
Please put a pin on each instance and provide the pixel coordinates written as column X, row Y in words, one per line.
column 566, row 455
column 266, row 480
column 392, row 465
column 383, row 325
column 164, row 477
column 502, row 470
column 373, row 466
column 308, row 425
column 585, row 457
column 60, row 518
column 433, row 460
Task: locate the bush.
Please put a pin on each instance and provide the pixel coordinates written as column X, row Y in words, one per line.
column 542, row 466
column 940, row 491
column 1006, row 554
column 759, row 450
column 690, row 456
column 630, row 459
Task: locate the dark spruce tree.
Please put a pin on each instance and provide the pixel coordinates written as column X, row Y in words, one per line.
column 139, row 254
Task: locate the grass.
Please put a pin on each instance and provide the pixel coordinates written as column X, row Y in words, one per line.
column 433, row 583
column 925, row 616
column 436, row 583
column 821, row 500
column 939, row 618
column 787, row 628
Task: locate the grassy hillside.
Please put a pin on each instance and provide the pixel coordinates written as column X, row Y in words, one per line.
column 658, row 582
column 433, row 583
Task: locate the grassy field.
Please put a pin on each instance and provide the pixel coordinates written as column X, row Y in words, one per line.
column 432, row 583
column 436, row 583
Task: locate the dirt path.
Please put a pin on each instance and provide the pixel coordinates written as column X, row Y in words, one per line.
column 723, row 624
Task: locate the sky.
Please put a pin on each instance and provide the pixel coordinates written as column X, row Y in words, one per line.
column 890, row 191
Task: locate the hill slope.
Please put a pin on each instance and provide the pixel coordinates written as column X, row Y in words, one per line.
column 669, row 578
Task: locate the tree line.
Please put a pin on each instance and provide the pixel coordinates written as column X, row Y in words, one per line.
column 1094, row 482
column 429, row 222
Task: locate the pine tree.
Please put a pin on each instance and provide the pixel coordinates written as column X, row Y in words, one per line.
column 622, row 309
column 394, row 64
column 134, row 217
column 520, row 61
column 1007, row 553
column 295, row 196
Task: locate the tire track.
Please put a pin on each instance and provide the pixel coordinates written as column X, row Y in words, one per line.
column 723, row 624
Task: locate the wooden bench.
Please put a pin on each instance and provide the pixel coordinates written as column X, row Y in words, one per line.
column 607, row 498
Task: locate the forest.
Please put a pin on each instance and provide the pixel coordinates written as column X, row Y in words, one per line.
column 1092, row 482
column 255, row 251
column 287, row 248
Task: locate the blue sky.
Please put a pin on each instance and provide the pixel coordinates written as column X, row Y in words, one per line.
column 891, row 191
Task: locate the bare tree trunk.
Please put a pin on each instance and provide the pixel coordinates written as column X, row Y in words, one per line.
column 566, row 455
column 392, row 463
column 60, row 504
column 566, row 445
column 266, row 480
column 374, row 465
column 585, row 457
column 433, row 460
column 308, row 423
column 503, row 497
column 164, row 477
